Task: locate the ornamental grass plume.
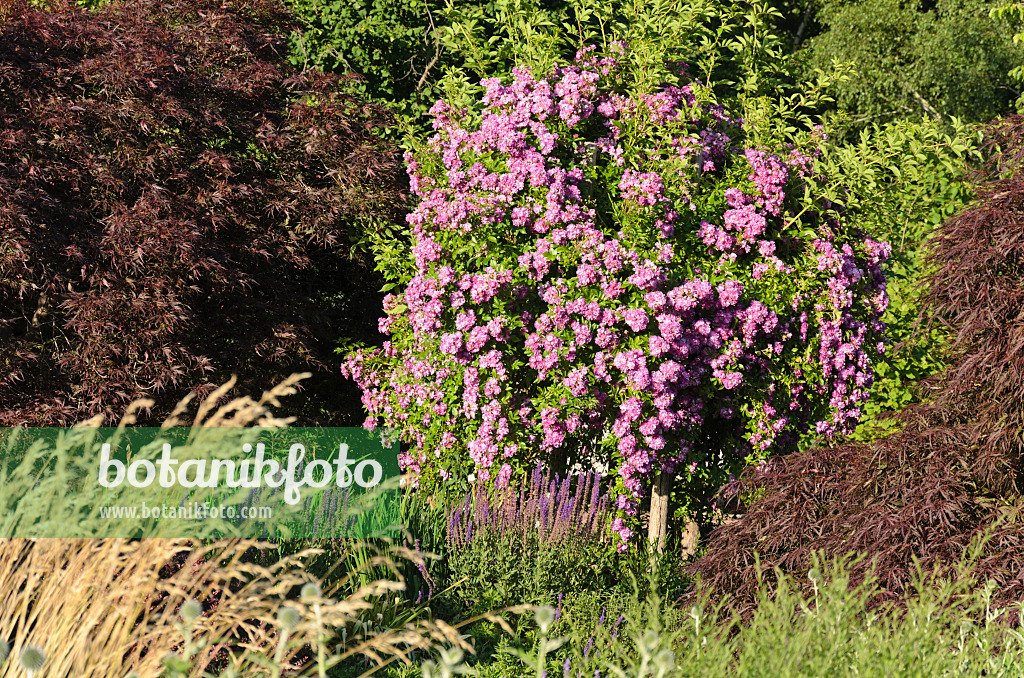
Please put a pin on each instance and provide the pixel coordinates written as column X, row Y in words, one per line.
column 81, row 608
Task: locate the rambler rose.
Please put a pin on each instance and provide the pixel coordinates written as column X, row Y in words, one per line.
column 608, row 274
column 250, row 473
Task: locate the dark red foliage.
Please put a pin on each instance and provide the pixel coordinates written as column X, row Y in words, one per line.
column 954, row 469
column 177, row 204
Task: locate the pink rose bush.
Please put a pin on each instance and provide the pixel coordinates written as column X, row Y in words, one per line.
column 612, row 275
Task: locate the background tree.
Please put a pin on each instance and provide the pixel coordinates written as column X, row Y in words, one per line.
column 177, row 204
column 894, row 182
column 1014, row 12
column 917, row 60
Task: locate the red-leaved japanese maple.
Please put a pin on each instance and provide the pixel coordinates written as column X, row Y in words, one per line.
column 177, row 204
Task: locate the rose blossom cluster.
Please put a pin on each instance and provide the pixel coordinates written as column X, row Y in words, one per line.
column 616, row 273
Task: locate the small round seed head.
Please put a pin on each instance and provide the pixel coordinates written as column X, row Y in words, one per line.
column 288, row 617
column 665, row 660
column 451, row 657
column 545, row 616
column 173, row 661
column 32, row 658
column 814, row 575
column 191, row 611
column 311, row 591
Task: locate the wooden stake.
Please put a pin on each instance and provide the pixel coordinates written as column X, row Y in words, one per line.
column 657, row 526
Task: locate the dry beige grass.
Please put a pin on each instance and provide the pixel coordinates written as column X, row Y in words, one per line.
column 100, row 607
